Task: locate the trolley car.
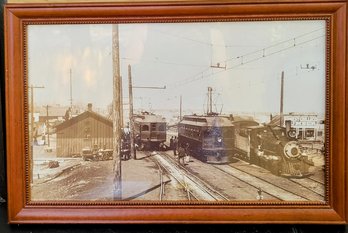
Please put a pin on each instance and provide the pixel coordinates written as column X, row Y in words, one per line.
column 150, row 131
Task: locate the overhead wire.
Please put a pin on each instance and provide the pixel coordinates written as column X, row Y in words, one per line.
column 242, row 62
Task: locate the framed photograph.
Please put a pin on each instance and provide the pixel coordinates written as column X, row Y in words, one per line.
column 176, row 112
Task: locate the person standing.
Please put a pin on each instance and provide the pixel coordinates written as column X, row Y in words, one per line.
column 175, row 145
column 171, row 143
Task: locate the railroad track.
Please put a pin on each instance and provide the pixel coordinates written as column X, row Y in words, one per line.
column 312, row 185
column 304, row 189
column 196, row 188
column 267, row 187
column 273, row 187
column 162, row 184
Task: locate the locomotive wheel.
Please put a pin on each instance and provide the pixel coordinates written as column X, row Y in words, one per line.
column 292, row 150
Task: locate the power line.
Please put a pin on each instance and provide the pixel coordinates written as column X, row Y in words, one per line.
column 162, row 62
column 242, row 62
column 263, row 50
column 229, row 46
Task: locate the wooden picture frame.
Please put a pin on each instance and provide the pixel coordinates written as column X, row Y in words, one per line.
column 22, row 209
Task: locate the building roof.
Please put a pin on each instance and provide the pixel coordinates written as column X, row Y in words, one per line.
column 83, row 116
column 275, row 120
column 148, row 118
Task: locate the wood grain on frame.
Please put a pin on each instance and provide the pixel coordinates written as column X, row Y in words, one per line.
column 17, row 16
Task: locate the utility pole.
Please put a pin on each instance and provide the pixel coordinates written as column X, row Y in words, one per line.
column 180, row 116
column 121, row 101
column 281, row 114
column 31, row 136
column 131, row 119
column 117, row 195
column 71, row 100
column 47, row 127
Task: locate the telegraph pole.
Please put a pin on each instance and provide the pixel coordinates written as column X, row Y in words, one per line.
column 71, row 100
column 281, row 114
column 121, row 101
column 47, row 127
column 180, row 116
column 117, row 195
column 131, row 119
column 31, row 137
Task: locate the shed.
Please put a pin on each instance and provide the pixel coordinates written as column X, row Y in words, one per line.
column 85, row 130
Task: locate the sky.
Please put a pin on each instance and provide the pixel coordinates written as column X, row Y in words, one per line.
column 180, row 56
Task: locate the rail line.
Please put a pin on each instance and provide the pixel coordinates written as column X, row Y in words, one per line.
column 193, row 185
column 311, row 184
column 267, row 187
column 288, row 189
column 309, row 188
column 162, row 184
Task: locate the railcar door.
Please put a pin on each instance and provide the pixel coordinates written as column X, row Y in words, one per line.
column 145, row 132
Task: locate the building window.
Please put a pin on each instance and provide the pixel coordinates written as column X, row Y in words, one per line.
column 300, row 133
column 320, row 133
column 309, row 133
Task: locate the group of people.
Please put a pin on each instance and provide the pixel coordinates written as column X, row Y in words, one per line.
column 173, row 144
column 180, row 151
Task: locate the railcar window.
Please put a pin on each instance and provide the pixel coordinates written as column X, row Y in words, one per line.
column 145, row 128
column 153, row 126
column 161, row 127
column 243, row 132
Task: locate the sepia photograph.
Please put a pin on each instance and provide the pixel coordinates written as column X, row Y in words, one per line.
column 208, row 111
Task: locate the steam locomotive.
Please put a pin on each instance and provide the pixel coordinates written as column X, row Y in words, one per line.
column 150, row 131
column 220, row 139
column 270, row 147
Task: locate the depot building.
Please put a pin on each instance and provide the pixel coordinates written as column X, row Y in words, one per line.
column 307, row 126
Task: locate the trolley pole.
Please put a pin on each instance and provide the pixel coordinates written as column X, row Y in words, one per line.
column 210, row 101
column 117, row 191
column 131, row 119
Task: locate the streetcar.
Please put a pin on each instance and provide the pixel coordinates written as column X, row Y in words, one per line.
column 207, row 137
column 149, row 131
